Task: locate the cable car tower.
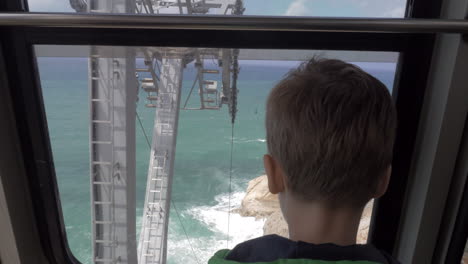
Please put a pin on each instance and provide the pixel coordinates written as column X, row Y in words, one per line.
column 113, row 92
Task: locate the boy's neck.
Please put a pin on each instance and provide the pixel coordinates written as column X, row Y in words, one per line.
column 317, row 224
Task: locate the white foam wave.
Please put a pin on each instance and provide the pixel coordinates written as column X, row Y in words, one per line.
column 214, row 218
column 248, row 140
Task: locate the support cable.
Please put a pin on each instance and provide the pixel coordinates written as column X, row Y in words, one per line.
column 185, row 231
column 238, row 10
column 191, row 90
column 143, row 130
column 230, row 184
column 173, row 203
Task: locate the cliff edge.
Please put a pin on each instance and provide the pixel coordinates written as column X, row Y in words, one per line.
column 261, row 204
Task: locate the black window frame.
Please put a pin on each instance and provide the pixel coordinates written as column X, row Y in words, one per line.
column 459, row 234
column 459, row 239
column 18, row 46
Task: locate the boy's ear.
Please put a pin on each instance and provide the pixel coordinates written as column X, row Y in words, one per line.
column 383, row 183
column 274, row 174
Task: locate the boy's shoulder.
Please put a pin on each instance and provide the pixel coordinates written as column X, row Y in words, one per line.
column 272, row 248
column 262, row 249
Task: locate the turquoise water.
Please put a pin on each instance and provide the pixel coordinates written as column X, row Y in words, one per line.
column 201, row 180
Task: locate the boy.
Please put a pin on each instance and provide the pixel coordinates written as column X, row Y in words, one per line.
column 330, row 130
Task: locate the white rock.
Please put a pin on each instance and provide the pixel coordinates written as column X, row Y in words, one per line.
column 275, row 224
column 260, row 203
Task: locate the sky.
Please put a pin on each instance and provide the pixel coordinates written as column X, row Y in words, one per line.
column 336, row 8
column 380, row 66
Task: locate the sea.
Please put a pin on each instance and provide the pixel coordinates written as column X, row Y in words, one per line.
column 200, row 188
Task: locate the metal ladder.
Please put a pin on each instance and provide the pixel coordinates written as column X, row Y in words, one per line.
column 155, row 213
column 102, row 180
column 208, row 99
column 153, row 237
column 150, row 85
column 153, row 224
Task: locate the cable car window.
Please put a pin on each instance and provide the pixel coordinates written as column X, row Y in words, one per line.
column 334, row 8
column 138, row 132
column 465, row 255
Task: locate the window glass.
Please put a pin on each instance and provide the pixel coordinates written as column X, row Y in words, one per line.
column 336, row 8
column 112, row 115
column 465, row 255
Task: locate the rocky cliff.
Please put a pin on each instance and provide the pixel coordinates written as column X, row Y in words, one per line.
column 258, row 200
column 260, row 203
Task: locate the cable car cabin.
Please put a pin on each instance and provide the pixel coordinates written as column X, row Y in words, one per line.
column 107, row 154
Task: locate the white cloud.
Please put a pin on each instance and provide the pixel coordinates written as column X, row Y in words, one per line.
column 298, row 8
column 50, row 6
column 347, row 8
column 387, row 8
column 397, row 12
column 364, row 3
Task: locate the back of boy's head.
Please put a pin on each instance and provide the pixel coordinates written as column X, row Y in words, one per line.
column 331, row 127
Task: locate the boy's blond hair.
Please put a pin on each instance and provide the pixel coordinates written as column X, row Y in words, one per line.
column 331, row 126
